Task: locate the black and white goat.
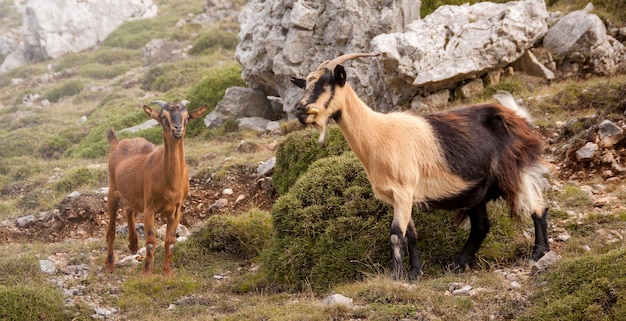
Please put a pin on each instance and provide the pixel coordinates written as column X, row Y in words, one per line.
column 456, row 160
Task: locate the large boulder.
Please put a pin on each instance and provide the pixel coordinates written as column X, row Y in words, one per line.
column 240, row 102
column 280, row 39
column 580, row 39
column 454, row 44
column 52, row 28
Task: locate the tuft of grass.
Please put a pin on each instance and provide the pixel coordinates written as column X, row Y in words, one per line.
column 135, row 34
column 208, row 41
column 591, row 287
column 242, row 235
column 100, row 71
column 574, row 197
column 81, row 177
column 138, row 295
column 69, row 88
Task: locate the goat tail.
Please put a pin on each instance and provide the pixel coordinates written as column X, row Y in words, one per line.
column 530, row 199
column 506, row 99
column 112, row 138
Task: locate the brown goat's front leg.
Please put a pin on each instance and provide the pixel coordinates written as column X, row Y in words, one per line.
column 150, row 241
column 133, row 243
column 113, row 201
column 170, row 239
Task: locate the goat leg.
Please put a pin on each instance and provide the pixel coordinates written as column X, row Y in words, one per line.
column 170, row 239
column 150, row 242
column 480, row 227
column 415, row 263
column 397, row 265
column 133, row 245
column 113, row 203
column 541, row 235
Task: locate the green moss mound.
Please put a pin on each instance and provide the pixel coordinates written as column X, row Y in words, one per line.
column 329, row 229
column 592, row 287
column 29, row 303
column 241, row 235
column 299, row 150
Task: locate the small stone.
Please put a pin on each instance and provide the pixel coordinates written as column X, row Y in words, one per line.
column 337, row 299
column 465, row 290
column 73, row 194
column 24, row 221
column 266, row 168
column 227, row 191
column 587, row 153
column 515, row 285
column 548, row 260
column 240, row 198
column 47, row 266
column 563, row 237
column 217, row 205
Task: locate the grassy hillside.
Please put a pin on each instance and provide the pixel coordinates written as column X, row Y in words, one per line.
column 234, row 266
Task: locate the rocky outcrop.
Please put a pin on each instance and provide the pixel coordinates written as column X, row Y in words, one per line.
column 53, row 28
column 455, row 51
column 453, row 44
column 284, row 38
column 580, row 41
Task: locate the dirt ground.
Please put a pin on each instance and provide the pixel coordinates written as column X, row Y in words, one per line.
column 86, row 216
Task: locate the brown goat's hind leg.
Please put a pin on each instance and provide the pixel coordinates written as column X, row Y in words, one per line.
column 150, row 242
column 541, row 235
column 415, row 270
column 480, row 227
column 113, row 203
column 133, row 244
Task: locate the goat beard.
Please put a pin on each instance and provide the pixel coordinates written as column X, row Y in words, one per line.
column 321, row 128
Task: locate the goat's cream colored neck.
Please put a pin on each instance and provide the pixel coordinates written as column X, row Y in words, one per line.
column 375, row 138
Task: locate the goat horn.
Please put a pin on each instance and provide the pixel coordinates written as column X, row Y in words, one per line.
column 184, row 102
column 331, row 64
column 160, row 103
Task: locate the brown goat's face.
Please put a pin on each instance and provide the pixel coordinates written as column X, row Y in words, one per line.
column 317, row 103
column 173, row 117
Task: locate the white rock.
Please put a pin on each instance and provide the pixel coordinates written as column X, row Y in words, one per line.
column 337, row 299
column 47, row 266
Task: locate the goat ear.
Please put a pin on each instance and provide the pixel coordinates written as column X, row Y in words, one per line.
column 151, row 112
column 299, row 82
column 340, row 75
column 198, row 111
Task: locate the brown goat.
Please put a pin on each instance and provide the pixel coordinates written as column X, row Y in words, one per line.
column 150, row 180
column 457, row 160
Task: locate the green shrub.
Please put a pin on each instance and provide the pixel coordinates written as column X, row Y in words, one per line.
column 20, row 142
column 329, row 229
column 210, row 91
column 80, row 177
column 112, row 56
column 71, row 60
column 69, row 88
column 242, row 235
column 592, row 287
column 299, row 149
column 135, row 34
column 55, row 146
column 99, row 71
column 216, row 38
column 34, row 303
